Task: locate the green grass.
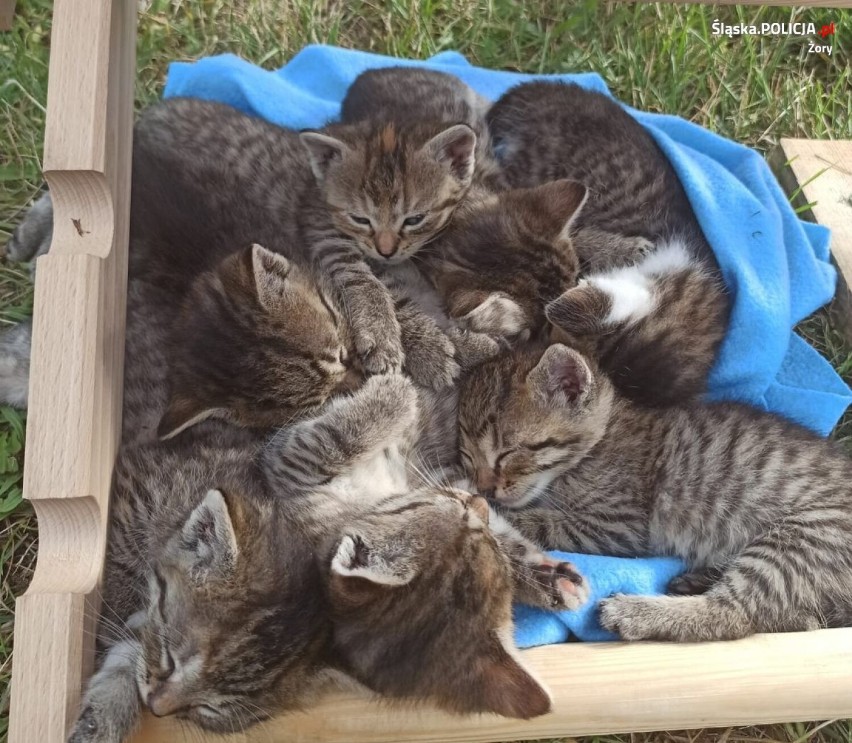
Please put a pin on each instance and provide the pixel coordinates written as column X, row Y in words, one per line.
column 654, row 57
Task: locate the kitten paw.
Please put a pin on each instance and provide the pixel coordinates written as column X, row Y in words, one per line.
column 561, row 585
column 643, row 247
column 430, row 361
column 380, row 356
column 632, row 617
column 499, row 315
column 473, row 348
column 387, row 399
column 93, row 726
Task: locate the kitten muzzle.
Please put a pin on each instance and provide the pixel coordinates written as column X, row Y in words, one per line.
column 387, row 243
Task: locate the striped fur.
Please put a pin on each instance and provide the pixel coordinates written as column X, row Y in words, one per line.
column 543, row 131
column 221, row 633
column 653, row 327
column 758, row 507
column 364, row 479
column 217, row 153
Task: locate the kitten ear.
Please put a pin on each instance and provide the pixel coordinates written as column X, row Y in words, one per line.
column 270, row 271
column 456, row 148
column 549, row 210
column 323, row 151
column 208, row 544
column 184, row 411
column 507, row 688
column 562, row 376
column 359, row 568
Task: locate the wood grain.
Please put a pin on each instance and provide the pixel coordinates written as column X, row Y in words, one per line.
column 821, row 172
column 77, row 358
column 606, row 688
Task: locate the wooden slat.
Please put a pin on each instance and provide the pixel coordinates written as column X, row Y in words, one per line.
column 606, row 688
column 77, row 358
column 821, row 170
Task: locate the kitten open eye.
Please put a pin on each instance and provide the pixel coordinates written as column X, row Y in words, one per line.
column 413, row 220
column 357, row 219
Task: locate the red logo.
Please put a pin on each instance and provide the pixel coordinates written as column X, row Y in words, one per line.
column 827, row 30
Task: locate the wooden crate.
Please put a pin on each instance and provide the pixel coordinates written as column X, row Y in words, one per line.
column 73, row 434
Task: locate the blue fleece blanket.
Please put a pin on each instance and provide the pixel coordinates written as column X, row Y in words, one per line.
column 776, row 266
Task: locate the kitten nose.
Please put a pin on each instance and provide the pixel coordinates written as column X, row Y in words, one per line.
column 162, row 704
column 386, row 243
column 486, row 481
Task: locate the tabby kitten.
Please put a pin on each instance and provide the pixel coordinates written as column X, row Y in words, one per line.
column 542, row 131
column 399, row 545
column 258, row 342
column 653, row 327
column 254, row 184
column 636, row 237
column 401, row 161
column 506, row 256
column 213, row 603
column 758, row 507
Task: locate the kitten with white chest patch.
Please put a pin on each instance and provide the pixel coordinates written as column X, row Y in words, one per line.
column 417, row 564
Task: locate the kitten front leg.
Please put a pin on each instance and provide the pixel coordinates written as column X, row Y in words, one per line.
column 539, row 580
column 673, row 618
column 32, row 236
column 367, row 301
column 376, row 330
column 429, row 352
column 763, row 589
column 384, row 411
column 599, row 250
column 472, row 348
column 15, row 364
column 498, row 315
column 110, row 708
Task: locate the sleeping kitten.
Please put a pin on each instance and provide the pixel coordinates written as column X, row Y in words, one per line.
column 654, row 309
column 212, row 601
column 219, row 153
column 542, row 131
column 653, row 327
column 417, row 565
column 505, row 256
column 758, row 507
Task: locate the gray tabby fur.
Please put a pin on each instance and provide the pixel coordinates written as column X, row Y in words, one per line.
column 758, row 507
